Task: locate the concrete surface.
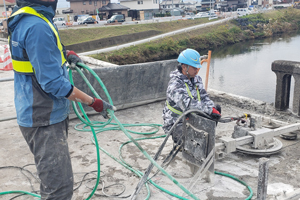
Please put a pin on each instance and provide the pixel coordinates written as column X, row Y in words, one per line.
column 284, row 167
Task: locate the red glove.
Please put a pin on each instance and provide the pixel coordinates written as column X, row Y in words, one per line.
column 215, row 114
column 97, row 105
column 72, row 57
column 101, row 107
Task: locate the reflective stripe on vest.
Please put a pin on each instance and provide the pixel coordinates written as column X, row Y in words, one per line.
column 190, row 94
column 25, row 66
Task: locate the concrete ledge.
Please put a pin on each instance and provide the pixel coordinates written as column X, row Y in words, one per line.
column 285, row 66
column 138, row 84
column 129, row 85
column 241, row 101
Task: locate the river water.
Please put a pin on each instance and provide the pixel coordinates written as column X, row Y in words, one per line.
column 245, row 68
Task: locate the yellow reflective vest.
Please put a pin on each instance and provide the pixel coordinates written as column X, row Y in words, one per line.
column 25, row 66
column 190, row 94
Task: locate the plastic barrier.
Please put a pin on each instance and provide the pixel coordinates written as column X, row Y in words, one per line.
column 7, row 63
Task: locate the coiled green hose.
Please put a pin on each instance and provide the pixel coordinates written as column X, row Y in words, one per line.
column 97, row 127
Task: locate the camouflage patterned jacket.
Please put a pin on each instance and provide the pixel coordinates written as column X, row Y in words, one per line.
column 177, row 90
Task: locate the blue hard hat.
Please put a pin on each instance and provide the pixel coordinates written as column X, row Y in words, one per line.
column 190, row 57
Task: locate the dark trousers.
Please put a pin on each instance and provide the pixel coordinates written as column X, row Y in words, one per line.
column 52, row 159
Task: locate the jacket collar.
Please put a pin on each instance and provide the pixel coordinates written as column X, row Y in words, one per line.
column 46, row 11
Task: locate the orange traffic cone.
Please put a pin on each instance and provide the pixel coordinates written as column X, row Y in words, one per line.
column 7, row 60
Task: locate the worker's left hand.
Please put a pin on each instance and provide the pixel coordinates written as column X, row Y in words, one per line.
column 215, row 114
column 73, row 59
column 101, row 107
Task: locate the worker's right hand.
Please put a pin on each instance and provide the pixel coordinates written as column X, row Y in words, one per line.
column 215, row 114
column 72, row 58
column 101, row 107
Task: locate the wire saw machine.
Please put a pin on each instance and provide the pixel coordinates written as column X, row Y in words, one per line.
column 252, row 134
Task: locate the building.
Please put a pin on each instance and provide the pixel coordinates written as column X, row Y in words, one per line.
column 206, row 5
column 81, row 7
column 105, row 12
column 141, row 9
column 190, row 6
column 168, row 5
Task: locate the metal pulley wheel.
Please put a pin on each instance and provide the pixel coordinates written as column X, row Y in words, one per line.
column 272, row 148
column 290, row 136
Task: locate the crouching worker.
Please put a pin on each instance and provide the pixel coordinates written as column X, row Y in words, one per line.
column 186, row 87
column 42, row 93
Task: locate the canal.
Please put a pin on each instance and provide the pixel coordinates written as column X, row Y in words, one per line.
column 245, row 68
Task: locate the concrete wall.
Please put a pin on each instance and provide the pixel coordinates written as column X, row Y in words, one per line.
column 139, row 84
column 112, row 41
column 131, row 85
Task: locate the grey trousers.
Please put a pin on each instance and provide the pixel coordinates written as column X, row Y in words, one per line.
column 52, row 159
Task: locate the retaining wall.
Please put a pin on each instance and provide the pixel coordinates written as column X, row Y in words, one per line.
column 131, row 85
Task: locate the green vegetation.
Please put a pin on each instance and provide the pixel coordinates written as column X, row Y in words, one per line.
column 245, row 28
column 170, row 47
column 74, row 36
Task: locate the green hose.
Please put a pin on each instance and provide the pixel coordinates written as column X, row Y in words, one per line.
column 236, row 179
column 121, row 127
column 97, row 127
column 119, row 123
column 20, row 191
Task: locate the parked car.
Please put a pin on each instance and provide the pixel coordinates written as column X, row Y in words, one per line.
column 202, row 14
column 67, row 11
column 189, row 15
column 89, row 20
column 114, row 18
column 211, row 15
column 242, row 11
column 59, row 21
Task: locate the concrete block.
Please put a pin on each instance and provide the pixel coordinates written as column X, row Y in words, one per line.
column 284, row 70
column 219, row 155
column 261, row 137
column 230, row 144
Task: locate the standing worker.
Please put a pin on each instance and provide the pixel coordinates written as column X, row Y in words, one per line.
column 42, row 93
column 186, row 91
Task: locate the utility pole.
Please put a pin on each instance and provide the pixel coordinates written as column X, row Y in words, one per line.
column 172, row 9
column 5, row 9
